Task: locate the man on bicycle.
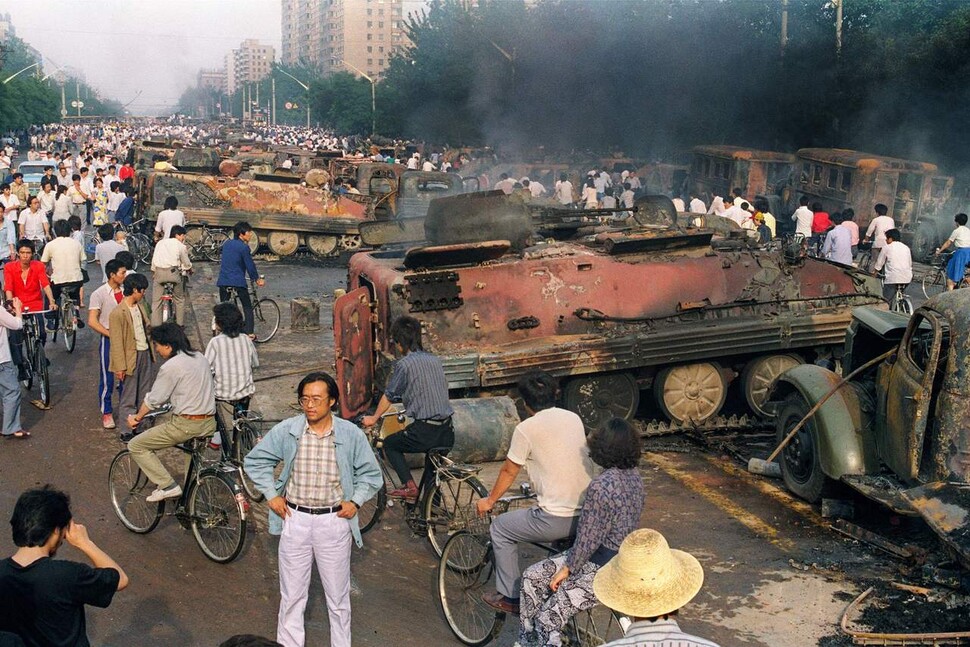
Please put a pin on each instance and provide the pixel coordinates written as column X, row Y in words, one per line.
column 184, row 381
column 551, row 443
column 418, row 380
column 66, row 257
column 169, row 263
column 898, row 262
column 27, row 280
column 236, row 263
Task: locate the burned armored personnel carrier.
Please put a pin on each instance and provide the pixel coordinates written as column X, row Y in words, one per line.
column 657, row 311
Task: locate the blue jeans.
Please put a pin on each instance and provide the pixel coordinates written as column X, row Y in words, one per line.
column 10, row 396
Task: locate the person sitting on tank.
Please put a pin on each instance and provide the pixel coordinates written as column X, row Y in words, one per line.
column 418, row 381
column 956, row 267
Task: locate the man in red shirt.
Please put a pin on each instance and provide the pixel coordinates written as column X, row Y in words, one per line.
column 27, row 280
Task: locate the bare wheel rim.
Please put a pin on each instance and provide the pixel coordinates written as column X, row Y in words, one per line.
column 283, row 243
column 692, row 392
column 247, row 437
column 373, row 509
column 213, row 245
column 934, row 283
column 266, row 320
column 760, row 375
column 460, row 589
column 128, row 487
column 322, row 246
column 217, row 522
column 448, row 508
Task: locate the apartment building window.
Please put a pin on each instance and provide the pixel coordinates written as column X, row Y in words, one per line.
column 380, row 12
column 370, row 61
column 380, row 62
column 380, row 24
column 380, row 36
column 370, row 24
column 369, row 36
column 370, row 12
column 381, row 49
column 369, row 49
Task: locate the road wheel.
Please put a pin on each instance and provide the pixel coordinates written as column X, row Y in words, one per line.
column 283, row 243
column 350, row 243
column 597, row 398
column 322, row 246
column 801, row 465
column 254, row 242
column 759, row 376
column 692, row 392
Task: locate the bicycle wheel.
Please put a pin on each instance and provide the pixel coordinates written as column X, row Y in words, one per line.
column 370, row 513
column 246, row 438
column 934, row 283
column 127, row 487
column 91, row 240
column 217, row 519
column 140, row 247
column 213, row 245
column 43, row 375
column 465, row 571
column 168, row 311
column 69, row 324
column 266, row 320
column 592, row 627
column 905, row 305
column 448, row 507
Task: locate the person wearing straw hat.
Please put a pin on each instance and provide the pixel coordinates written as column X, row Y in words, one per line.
column 649, row 582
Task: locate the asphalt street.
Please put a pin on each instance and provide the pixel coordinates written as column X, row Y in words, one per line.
column 776, row 574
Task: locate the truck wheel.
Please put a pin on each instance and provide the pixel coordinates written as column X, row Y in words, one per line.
column 692, row 392
column 283, row 243
column 597, row 398
column 322, row 246
column 801, row 467
column 759, row 376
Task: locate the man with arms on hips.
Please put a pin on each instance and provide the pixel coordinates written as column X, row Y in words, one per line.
column 649, row 582
column 169, row 263
column 184, row 380
column 42, row 600
column 551, row 443
column 103, row 302
column 329, row 471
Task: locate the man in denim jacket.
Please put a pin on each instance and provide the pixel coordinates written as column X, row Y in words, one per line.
column 329, row 471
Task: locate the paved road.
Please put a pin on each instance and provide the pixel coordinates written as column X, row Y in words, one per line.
column 775, row 575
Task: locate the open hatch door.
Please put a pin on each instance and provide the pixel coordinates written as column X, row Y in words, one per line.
column 354, row 351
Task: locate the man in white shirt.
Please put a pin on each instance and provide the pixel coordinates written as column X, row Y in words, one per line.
column 878, row 227
column 551, row 443
column 170, row 216
column 898, row 261
column 87, row 185
column 564, row 190
column 535, row 188
column 111, row 176
column 170, row 260
column 428, row 166
column 413, row 162
column 737, row 212
column 738, row 196
column 66, row 257
column 696, row 204
column 505, row 183
column 803, row 218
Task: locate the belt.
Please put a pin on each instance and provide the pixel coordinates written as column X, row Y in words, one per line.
column 436, row 423
column 303, row 508
column 192, row 416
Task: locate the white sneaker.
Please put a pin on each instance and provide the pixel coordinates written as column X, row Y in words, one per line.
column 161, row 495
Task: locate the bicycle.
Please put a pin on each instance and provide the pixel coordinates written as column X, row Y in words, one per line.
column 900, row 302
column 935, row 282
column 68, row 317
column 466, row 569
column 139, row 244
column 167, row 304
column 246, row 433
column 35, row 357
column 446, row 495
column 266, row 313
column 206, row 242
column 213, row 504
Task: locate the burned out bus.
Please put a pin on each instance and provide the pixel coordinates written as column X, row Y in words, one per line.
column 915, row 192
column 716, row 170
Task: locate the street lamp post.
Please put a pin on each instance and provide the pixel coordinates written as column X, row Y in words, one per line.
column 373, row 97
column 305, row 87
column 17, row 73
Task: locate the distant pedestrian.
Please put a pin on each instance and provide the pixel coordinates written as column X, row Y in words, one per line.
column 803, row 218
column 848, row 221
column 590, row 201
column 878, row 226
column 897, row 260
column 109, row 246
column 838, row 244
column 564, row 190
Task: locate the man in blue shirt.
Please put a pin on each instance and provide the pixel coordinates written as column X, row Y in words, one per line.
column 838, row 243
column 237, row 261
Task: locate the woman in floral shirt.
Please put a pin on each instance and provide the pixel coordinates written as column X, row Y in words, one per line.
column 99, row 212
column 556, row 589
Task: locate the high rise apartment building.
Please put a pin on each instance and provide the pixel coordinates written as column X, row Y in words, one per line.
column 342, row 35
column 249, row 63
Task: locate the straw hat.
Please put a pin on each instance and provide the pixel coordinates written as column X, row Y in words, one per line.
column 647, row 578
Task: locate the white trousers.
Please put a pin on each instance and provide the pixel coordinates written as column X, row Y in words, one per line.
column 326, row 539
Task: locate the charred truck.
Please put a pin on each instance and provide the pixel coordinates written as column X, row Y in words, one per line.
column 657, row 310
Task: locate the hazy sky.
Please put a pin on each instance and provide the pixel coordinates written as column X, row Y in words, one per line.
column 155, row 47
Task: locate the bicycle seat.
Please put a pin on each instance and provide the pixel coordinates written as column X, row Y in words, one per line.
column 168, row 284
column 204, row 223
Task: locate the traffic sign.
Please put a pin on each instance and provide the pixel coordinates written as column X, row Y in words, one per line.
column 63, row 112
column 289, row 105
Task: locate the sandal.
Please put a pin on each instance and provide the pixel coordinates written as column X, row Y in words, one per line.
column 19, row 434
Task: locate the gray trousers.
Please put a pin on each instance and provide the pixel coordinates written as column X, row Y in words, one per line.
column 10, row 394
column 510, row 528
column 168, row 275
column 136, row 386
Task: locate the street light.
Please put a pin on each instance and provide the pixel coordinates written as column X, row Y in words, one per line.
column 305, row 87
column 373, row 96
column 11, row 77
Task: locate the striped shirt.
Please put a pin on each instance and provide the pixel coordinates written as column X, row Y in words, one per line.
column 662, row 633
column 315, row 480
column 232, row 360
column 419, row 381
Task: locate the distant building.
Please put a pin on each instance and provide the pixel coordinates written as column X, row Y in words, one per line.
column 6, row 26
column 212, row 79
column 343, row 35
column 251, row 62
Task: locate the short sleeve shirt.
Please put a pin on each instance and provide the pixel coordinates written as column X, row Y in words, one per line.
column 960, row 236
column 43, row 602
column 31, row 290
column 105, row 300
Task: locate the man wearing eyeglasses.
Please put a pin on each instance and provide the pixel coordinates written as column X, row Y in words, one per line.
column 329, row 471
